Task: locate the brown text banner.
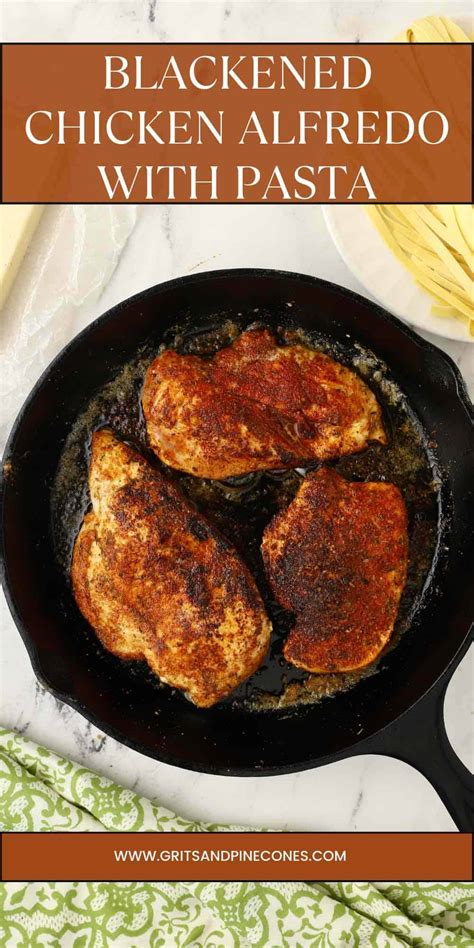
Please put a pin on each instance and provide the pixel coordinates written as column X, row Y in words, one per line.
column 236, row 123
column 241, row 856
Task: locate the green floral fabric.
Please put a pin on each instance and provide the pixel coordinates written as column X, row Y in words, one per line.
column 41, row 791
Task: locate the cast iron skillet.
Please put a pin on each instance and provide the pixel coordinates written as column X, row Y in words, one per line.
column 398, row 711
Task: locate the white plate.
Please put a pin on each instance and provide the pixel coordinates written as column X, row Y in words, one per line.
column 385, row 278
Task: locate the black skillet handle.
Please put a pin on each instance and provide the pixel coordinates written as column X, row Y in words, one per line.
column 419, row 738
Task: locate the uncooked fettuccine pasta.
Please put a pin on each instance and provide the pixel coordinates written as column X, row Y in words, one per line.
column 434, row 241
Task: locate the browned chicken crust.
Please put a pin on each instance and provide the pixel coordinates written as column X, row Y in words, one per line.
column 157, row 581
column 256, row 405
column 337, row 558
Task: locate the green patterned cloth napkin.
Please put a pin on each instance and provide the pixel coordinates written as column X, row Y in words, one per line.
column 41, row 791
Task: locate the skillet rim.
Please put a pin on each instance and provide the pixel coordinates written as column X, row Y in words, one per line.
column 461, row 394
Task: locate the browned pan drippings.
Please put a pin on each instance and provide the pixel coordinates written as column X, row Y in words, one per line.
column 242, row 507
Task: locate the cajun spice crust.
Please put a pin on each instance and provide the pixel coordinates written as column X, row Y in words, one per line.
column 256, row 405
column 157, row 581
column 337, row 557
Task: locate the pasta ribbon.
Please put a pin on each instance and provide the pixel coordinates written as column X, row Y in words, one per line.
column 435, row 242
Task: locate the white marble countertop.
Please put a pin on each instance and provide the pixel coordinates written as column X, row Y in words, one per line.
column 366, row 793
column 151, row 21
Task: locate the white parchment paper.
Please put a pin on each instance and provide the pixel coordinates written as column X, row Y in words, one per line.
column 70, row 259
